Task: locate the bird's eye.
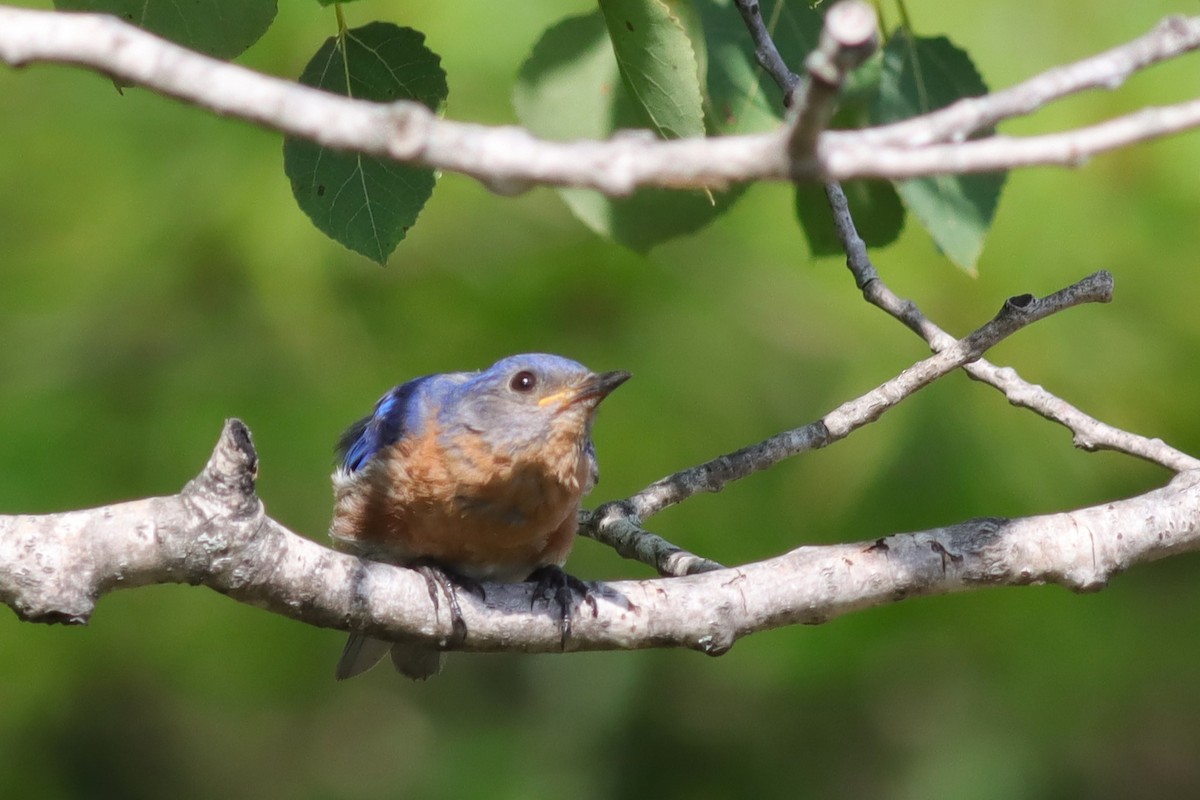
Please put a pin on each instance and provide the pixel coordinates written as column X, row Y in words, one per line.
column 523, row 381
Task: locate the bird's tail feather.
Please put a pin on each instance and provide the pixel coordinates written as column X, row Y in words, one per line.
column 410, row 659
column 415, row 661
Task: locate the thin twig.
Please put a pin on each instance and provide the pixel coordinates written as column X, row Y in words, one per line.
column 624, row 519
column 617, row 525
column 1170, row 38
column 1089, row 433
column 765, row 51
column 844, row 155
column 848, row 417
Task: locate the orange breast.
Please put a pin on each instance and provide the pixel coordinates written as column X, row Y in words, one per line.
column 489, row 518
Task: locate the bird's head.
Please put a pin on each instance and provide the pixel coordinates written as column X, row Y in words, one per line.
column 524, row 400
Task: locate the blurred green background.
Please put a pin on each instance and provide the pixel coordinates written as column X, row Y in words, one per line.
column 158, row 278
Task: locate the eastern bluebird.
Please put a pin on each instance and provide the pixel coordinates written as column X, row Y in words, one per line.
column 479, row 473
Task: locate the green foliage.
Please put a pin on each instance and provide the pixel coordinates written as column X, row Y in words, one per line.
column 573, row 65
column 679, row 69
column 877, row 211
column 221, row 28
column 920, row 75
column 741, row 97
column 365, row 203
column 657, row 64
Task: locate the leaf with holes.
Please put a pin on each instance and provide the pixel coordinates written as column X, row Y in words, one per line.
column 920, row 75
column 220, row 28
column 366, row 203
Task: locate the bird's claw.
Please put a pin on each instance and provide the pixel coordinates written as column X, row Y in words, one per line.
column 440, row 579
column 551, row 583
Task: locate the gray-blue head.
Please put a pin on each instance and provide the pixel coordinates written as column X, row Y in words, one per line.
column 526, row 400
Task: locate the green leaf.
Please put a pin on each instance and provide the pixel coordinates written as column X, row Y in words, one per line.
column 570, row 88
column 365, row 203
column 858, row 96
column 923, row 74
column 742, row 97
column 657, row 64
column 220, row 28
column 877, row 211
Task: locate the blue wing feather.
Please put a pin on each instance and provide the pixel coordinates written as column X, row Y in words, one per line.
column 383, row 428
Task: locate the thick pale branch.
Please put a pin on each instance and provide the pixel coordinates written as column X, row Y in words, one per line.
column 839, row 423
column 216, row 533
column 508, row 158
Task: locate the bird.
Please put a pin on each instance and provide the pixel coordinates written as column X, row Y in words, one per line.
column 469, row 477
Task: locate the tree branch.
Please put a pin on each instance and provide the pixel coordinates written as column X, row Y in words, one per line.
column 848, row 417
column 1089, row 433
column 1106, row 70
column 509, row 158
column 215, row 533
column 617, row 525
column 845, row 155
column 765, row 52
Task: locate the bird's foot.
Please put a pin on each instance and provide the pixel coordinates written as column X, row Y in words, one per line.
column 552, row 584
column 443, row 580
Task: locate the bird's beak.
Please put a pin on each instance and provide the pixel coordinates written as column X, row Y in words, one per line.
column 597, row 387
column 590, row 391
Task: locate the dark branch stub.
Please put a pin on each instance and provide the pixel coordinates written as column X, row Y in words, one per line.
column 1021, row 300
